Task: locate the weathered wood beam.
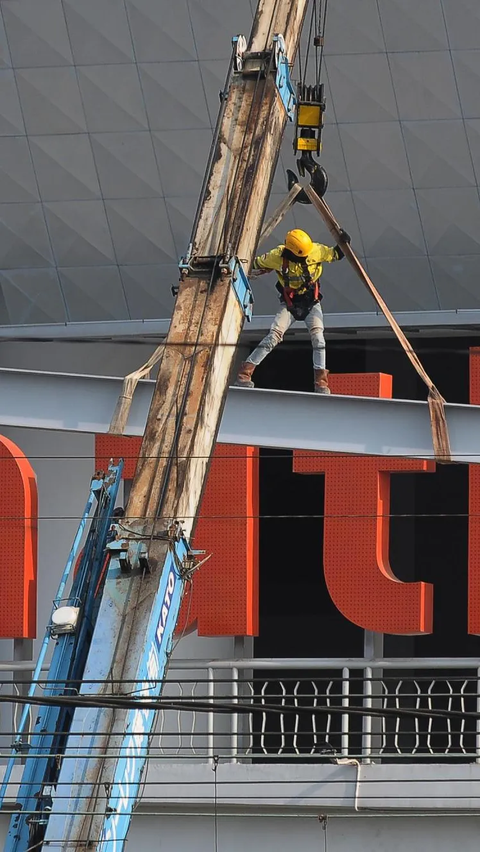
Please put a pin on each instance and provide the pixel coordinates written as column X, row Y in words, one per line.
column 193, row 375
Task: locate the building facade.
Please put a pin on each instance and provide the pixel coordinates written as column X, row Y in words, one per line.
column 106, row 117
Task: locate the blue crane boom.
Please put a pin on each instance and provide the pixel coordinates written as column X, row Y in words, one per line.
column 70, row 627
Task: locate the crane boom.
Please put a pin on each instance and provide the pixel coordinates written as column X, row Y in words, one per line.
column 151, row 560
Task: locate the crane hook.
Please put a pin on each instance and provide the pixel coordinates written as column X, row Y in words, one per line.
column 318, row 177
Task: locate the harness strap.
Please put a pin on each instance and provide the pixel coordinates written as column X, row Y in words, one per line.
column 290, row 292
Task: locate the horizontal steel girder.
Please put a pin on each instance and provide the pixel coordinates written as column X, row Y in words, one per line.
column 264, row 418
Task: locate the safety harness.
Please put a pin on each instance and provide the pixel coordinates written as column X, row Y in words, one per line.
column 298, row 304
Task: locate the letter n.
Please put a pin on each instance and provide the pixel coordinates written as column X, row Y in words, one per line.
column 356, row 529
column 18, row 544
column 224, row 593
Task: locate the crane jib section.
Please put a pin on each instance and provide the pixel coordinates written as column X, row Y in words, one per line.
column 139, row 726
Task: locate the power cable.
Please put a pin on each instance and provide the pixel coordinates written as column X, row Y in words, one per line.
column 263, row 516
column 122, row 703
column 322, row 36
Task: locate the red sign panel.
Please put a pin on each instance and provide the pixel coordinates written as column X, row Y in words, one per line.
column 18, row 544
column 223, row 600
column 356, row 529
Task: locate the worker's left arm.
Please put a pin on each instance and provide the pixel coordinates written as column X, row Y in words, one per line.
column 331, row 254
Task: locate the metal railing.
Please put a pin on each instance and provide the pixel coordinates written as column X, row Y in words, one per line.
column 292, row 709
column 269, row 710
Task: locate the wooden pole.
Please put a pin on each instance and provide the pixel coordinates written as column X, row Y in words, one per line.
column 207, row 321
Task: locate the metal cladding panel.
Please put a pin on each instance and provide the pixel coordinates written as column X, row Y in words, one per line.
column 18, row 553
column 356, row 529
column 227, row 529
column 115, row 102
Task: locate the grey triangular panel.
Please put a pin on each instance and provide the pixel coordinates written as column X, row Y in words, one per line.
column 37, row 33
column 79, row 232
column 112, row 98
column 17, row 178
column 457, row 280
column 24, row 239
column 174, row 96
column 31, row 296
column 126, row 165
column 51, row 100
column 64, row 167
column 141, row 231
column 147, row 289
column 161, row 32
column 439, row 154
column 93, row 293
column 98, row 31
column 411, row 25
column 11, row 120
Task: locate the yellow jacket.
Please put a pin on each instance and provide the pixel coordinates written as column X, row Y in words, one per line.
column 319, row 254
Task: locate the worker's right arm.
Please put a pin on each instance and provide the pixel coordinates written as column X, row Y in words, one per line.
column 266, row 262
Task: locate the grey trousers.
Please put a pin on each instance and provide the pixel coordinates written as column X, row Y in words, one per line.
column 281, row 323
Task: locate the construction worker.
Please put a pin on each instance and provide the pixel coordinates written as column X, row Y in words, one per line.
column 298, row 265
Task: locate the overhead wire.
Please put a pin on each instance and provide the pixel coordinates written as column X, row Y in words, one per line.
column 122, row 702
column 265, row 516
column 322, row 35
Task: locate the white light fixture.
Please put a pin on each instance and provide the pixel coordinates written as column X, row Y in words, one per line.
column 64, row 620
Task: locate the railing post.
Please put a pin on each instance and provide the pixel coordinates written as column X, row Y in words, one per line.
column 345, row 716
column 234, row 716
column 367, row 720
column 210, row 717
column 477, row 738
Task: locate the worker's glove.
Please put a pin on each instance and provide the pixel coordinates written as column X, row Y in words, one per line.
column 255, row 273
column 344, row 237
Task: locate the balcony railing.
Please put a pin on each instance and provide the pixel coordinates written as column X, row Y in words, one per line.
column 319, row 710
column 410, row 710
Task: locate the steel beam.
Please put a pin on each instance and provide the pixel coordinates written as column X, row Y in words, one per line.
column 264, row 418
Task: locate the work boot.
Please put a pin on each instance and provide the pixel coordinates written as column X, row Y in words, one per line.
column 244, row 379
column 321, row 381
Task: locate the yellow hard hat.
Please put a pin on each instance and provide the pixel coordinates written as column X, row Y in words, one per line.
column 298, row 242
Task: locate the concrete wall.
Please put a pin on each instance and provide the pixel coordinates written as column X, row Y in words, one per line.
column 277, row 834
column 305, row 833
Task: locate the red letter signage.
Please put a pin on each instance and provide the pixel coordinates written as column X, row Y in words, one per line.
column 224, row 594
column 356, row 530
column 18, row 550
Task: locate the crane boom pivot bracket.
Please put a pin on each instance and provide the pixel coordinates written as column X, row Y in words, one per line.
column 285, row 87
column 242, row 288
column 260, row 62
column 209, row 266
